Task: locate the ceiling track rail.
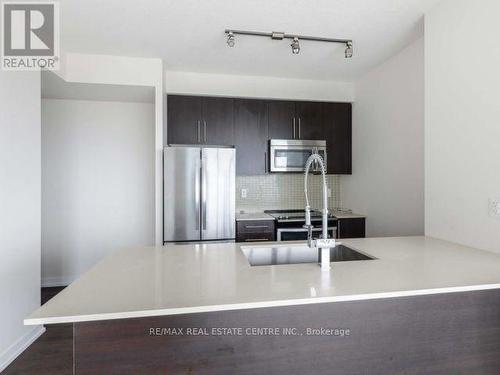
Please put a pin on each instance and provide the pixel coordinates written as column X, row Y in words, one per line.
column 296, row 38
column 281, row 35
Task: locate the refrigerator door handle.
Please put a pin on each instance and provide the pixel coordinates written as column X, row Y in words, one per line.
column 197, row 193
column 203, row 194
column 205, row 130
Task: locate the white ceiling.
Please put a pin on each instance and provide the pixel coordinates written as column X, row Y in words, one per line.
column 189, row 34
column 54, row 87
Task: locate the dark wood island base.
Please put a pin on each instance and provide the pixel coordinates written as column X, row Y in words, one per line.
column 454, row 333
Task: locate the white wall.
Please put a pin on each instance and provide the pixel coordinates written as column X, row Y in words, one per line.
column 19, row 210
column 97, row 183
column 462, row 127
column 257, row 87
column 387, row 183
column 113, row 70
column 122, row 70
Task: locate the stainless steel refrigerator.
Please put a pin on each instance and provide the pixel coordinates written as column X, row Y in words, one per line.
column 199, row 193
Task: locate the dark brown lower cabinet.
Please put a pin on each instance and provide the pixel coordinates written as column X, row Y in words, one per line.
column 441, row 334
column 351, row 228
column 255, row 231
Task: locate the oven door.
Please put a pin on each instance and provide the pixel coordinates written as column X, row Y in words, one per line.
column 292, row 158
column 300, row 234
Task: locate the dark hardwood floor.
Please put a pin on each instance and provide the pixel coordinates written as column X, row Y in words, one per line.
column 51, row 353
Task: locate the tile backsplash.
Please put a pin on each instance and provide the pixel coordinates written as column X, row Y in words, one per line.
column 284, row 191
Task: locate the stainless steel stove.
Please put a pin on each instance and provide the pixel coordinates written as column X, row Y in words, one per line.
column 289, row 224
column 294, row 215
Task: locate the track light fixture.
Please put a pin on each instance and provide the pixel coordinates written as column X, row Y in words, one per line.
column 295, row 46
column 230, row 39
column 275, row 35
column 348, row 50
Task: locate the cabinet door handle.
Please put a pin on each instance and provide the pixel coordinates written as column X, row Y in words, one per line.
column 293, row 129
column 199, row 130
column 255, row 226
column 299, row 127
column 256, row 239
column 205, row 131
column 265, row 161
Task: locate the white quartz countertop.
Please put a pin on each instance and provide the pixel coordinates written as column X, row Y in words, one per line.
column 253, row 216
column 263, row 216
column 179, row 279
column 346, row 215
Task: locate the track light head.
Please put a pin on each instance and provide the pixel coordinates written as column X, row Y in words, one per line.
column 348, row 50
column 230, row 39
column 295, row 46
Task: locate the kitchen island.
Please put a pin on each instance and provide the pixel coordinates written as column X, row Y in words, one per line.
column 422, row 305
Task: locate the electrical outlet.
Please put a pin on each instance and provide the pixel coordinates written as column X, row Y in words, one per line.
column 244, row 193
column 494, row 207
column 329, row 193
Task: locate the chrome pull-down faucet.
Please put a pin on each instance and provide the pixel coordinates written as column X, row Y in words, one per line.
column 324, row 243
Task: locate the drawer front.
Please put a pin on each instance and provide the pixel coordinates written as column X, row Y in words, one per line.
column 255, row 226
column 255, row 237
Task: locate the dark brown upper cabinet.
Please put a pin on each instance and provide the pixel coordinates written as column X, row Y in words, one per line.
column 250, row 136
column 295, row 120
column 200, row 120
column 309, row 124
column 337, row 122
column 184, row 119
column 282, row 120
column 248, row 124
column 218, row 121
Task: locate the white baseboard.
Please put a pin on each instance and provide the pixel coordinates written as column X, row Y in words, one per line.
column 13, row 351
column 48, row 282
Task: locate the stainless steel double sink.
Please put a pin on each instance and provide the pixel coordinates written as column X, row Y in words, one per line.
column 297, row 253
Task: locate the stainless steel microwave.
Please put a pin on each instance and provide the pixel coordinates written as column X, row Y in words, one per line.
column 291, row 155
